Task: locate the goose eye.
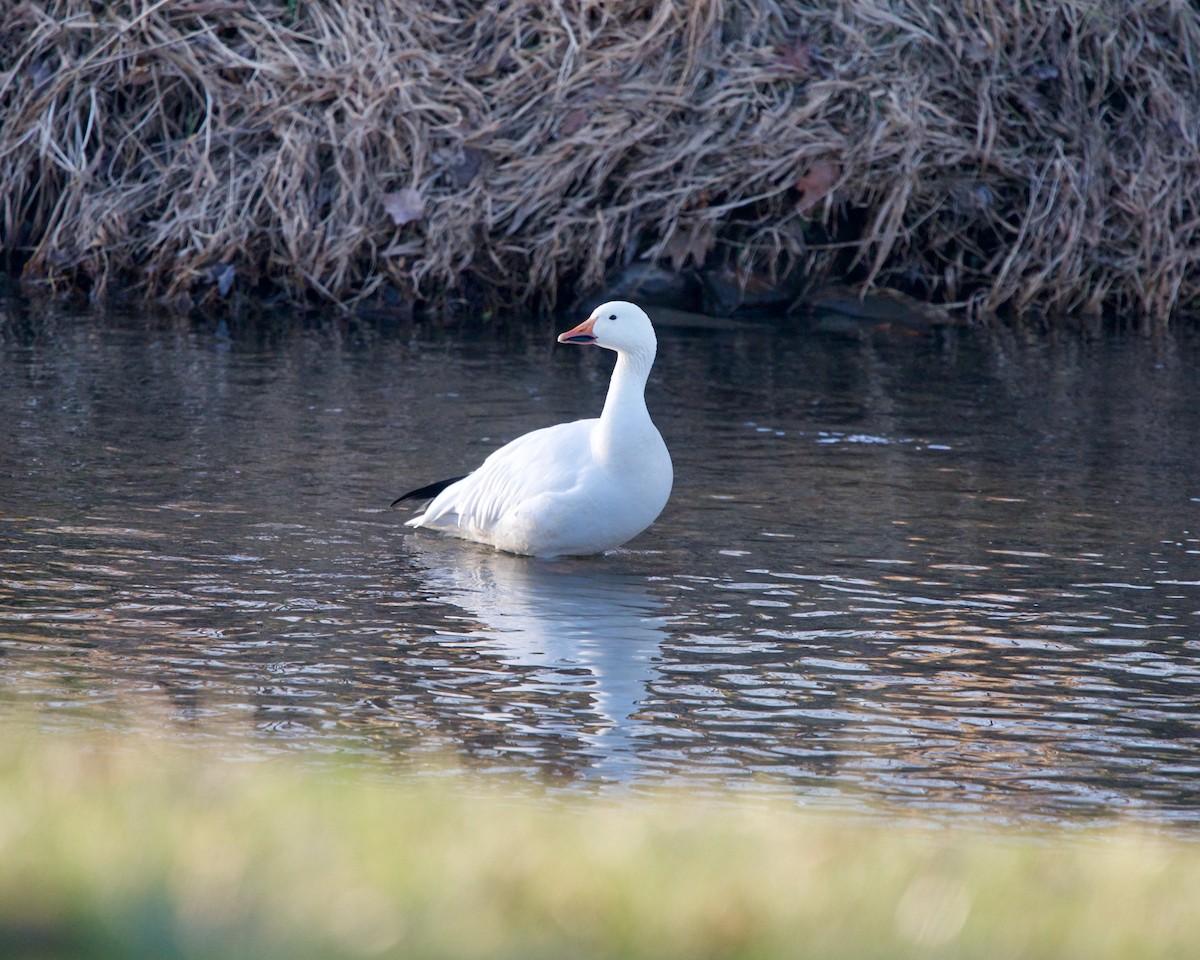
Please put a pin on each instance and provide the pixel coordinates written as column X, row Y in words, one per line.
column 612, row 316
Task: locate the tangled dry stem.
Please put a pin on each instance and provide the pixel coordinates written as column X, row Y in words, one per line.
column 992, row 154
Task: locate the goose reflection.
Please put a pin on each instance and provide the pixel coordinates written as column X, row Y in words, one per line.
column 576, row 627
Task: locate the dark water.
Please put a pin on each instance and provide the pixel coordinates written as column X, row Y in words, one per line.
column 949, row 572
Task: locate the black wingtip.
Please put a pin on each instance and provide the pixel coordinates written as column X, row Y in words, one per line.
column 429, row 491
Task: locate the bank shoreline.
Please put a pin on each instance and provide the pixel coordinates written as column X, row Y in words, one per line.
column 985, row 159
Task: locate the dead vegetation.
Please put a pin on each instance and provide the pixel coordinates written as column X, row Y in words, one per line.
column 990, row 155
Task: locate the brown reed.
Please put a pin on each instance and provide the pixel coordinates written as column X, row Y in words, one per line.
column 993, row 155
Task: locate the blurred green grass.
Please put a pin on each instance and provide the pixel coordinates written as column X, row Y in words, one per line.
column 125, row 846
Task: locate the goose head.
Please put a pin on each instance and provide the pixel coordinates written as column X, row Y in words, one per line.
column 617, row 325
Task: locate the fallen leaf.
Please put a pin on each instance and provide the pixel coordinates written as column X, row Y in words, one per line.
column 573, row 121
column 691, row 244
column 815, row 184
column 404, row 206
column 138, row 77
column 466, row 166
column 796, row 55
column 970, row 196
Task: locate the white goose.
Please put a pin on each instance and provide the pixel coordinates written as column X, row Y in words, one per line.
column 574, row 488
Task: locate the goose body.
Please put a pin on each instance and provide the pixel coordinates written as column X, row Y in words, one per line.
column 574, row 488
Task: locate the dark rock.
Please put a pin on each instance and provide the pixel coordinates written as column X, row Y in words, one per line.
column 648, row 284
column 731, row 292
column 840, row 307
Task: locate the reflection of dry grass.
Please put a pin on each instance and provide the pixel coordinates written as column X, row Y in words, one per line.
column 131, row 848
column 998, row 154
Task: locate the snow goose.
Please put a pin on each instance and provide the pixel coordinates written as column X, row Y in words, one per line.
column 575, row 488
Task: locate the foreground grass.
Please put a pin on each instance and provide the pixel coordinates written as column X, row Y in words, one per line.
column 134, row 849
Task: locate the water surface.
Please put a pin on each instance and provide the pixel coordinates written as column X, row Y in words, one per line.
column 947, row 572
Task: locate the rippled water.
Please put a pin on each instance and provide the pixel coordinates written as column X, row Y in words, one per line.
column 947, row 572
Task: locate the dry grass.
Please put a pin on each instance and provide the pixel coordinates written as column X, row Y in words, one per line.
column 993, row 155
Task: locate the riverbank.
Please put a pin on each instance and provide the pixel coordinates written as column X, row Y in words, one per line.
column 121, row 845
column 990, row 158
